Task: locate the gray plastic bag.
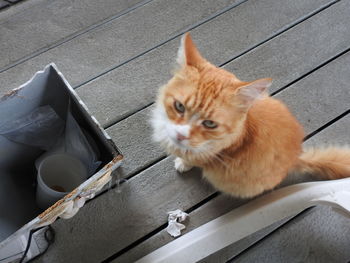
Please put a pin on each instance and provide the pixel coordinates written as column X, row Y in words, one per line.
column 41, row 128
column 44, row 129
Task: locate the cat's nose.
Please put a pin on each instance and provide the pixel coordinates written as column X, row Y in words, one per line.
column 180, row 137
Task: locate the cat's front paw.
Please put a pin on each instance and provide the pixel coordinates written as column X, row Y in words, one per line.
column 181, row 166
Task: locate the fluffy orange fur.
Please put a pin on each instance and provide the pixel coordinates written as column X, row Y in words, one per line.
column 256, row 141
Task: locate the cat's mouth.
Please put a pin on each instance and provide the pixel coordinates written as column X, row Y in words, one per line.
column 183, row 145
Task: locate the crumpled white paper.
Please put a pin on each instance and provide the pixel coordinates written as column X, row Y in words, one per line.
column 174, row 227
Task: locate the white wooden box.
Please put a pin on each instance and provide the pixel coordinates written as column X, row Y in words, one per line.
column 18, row 210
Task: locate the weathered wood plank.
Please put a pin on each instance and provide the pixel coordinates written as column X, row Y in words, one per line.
column 322, row 236
column 19, row 8
column 230, row 35
column 145, row 199
column 313, row 42
column 36, row 29
column 336, row 134
column 133, row 135
column 117, row 41
column 3, row 4
column 325, row 93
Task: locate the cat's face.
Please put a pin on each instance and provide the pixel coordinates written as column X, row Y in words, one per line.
column 197, row 112
column 202, row 109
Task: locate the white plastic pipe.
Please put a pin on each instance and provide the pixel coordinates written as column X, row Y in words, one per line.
column 247, row 219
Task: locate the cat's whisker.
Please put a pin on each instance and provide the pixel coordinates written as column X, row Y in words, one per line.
column 211, row 157
column 221, row 154
column 221, row 161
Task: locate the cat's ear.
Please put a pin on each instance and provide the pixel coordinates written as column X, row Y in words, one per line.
column 188, row 53
column 253, row 91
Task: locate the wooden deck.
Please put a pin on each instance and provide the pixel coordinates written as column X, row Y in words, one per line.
column 117, row 54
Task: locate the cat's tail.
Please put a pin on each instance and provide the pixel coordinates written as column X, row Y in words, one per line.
column 325, row 163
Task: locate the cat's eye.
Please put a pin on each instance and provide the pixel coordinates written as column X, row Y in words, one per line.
column 179, row 106
column 209, row 124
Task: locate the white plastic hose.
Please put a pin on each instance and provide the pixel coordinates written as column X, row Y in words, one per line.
column 247, row 219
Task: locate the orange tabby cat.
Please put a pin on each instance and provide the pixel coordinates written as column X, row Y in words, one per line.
column 245, row 141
